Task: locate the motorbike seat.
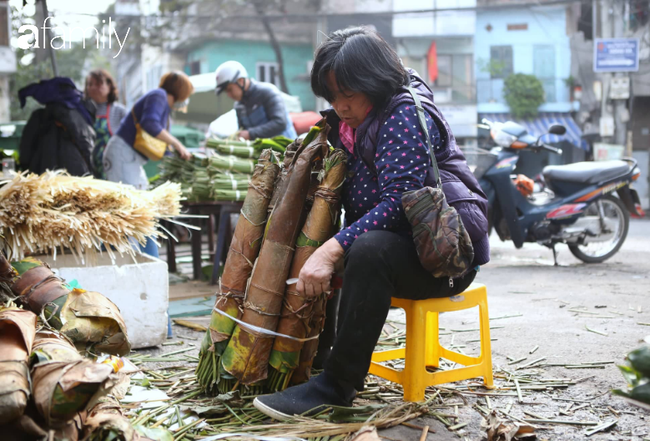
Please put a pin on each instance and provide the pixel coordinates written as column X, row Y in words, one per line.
column 586, row 172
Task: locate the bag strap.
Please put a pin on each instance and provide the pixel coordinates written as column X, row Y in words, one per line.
column 135, row 120
column 423, row 124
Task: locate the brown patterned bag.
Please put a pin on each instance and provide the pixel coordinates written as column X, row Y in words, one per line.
column 441, row 240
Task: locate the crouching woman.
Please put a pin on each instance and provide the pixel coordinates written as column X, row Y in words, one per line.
column 374, row 120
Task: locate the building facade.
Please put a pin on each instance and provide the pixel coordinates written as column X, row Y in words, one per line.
column 439, row 45
column 259, row 60
column 529, row 40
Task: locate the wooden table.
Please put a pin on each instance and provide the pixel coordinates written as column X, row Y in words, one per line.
column 213, row 209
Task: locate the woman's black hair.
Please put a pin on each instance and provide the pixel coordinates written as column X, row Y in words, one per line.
column 362, row 61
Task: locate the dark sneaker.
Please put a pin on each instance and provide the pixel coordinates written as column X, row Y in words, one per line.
column 306, row 399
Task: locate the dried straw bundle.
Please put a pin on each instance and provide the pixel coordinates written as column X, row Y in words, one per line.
column 55, row 210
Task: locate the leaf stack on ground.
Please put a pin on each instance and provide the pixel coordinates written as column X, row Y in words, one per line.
column 55, row 211
column 88, row 318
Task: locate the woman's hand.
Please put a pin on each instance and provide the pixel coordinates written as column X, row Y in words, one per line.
column 316, row 273
column 244, row 134
column 182, row 151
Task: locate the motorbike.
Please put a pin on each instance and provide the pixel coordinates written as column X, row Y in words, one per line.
column 585, row 205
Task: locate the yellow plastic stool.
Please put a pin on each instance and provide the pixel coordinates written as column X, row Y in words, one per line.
column 423, row 347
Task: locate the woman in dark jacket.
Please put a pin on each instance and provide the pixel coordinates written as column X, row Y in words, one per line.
column 373, row 118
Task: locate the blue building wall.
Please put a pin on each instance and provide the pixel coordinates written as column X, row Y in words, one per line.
column 545, row 39
column 248, row 53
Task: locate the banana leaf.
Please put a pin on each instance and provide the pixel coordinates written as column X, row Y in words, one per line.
column 63, row 382
column 296, row 312
column 88, row 318
column 17, row 331
column 244, row 248
column 247, row 354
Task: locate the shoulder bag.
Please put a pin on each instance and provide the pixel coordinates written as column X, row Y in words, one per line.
column 145, row 144
column 442, row 242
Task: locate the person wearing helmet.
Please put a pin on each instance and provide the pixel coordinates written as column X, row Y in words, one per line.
column 260, row 108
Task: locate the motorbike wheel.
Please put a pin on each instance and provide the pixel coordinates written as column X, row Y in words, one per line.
column 616, row 217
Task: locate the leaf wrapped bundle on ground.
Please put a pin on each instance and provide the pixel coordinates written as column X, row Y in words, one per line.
column 106, row 422
column 248, row 351
column 63, row 382
column 17, row 331
column 244, row 248
column 56, row 211
column 296, row 311
column 88, row 318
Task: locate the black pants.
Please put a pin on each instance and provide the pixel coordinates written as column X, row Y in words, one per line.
column 378, row 266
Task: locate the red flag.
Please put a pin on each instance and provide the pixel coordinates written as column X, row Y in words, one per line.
column 432, row 62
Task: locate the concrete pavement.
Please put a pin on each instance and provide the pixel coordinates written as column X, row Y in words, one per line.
column 524, row 283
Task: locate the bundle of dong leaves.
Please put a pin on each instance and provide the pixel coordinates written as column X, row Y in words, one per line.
column 221, row 176
column 48, row 390
column 263, row 334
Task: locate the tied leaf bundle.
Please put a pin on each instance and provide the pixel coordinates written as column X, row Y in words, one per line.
column 17, row 331
column 54, row 210
column 63, row 382
column 231, row 164
column 88, row 318
column 248, row 351
column 243, row 251
column 297, row 309
column 248, row 149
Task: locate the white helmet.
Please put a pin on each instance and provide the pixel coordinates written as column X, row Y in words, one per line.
column 229, row 72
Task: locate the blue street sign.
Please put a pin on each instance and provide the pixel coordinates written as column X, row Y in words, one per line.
column 616, row 55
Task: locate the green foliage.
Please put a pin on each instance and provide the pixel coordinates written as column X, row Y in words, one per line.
column 524, row 94
column 493, row 67
column 636, row 374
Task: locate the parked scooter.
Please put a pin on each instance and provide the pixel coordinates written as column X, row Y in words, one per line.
column 575, row 205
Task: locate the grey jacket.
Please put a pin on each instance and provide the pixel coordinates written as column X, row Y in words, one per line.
column 262, row 112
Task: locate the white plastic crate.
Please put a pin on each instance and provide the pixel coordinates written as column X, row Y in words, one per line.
column 141, row 291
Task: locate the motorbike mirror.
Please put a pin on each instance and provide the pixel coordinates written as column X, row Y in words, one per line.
column 557, row 129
